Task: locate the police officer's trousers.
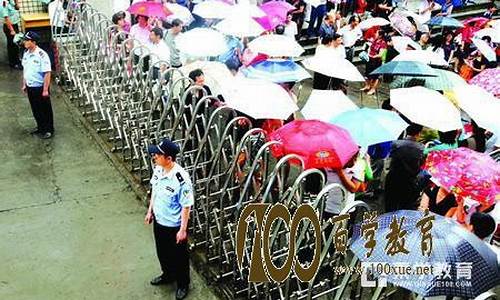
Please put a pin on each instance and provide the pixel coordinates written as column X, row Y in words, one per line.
column 12, row 49
column 173, row 257
column 41, row 109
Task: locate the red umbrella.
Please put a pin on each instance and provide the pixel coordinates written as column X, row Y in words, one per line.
column 149, row 9
column 321, row 145
column 471, row 26
column 466, row 173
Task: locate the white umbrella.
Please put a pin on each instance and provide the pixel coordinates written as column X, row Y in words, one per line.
column 240, row 26
column 324, row 105
column 423, row 56
column 276, row 45
column 480, row 105
column 212, row 9
column 315, row 3
column 493, row 33
column 417, row 18
column 201, row 42
column 333, row 66
column 402, row 42
column 485, row 49
column 216, row 74
column 245, row 8
column 179, row 12
column 260, row 99
column 371, row 22
column 426, row 107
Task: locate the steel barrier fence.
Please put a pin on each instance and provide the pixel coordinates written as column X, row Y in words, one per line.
column 132, row 105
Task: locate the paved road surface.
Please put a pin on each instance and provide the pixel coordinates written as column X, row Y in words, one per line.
column 70, row 227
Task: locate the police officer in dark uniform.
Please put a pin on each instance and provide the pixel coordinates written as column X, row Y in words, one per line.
column 169, row 208
column 36, row 83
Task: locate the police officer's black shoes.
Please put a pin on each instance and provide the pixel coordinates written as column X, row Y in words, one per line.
column 35, row 131
column 159, row 280
column 181, row 293
column 46, row 135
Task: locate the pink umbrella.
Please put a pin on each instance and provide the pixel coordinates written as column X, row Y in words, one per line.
column 277, row 8
column 321, row 145
column 471, row 26
column 489, row 79
column 149, row 9
column 466, row 173
column 269, row 22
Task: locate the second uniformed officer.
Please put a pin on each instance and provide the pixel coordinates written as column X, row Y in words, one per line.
column 36, row 83
column 169, row 208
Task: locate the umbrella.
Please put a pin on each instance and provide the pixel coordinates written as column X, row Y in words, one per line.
column 190, row 42
column 269, row 22
column 401, row 23
column 371, row 22
column 333, row 66
column 324, row 105
column 493, row 33
column 212, row 9
column 216, row 73
column 241, row 26
column 416, row 18
column 488, row 79
column 405, row 68
column 402, row 42
column 426, row 107
column 444, row 81
column 485, row 49
column 480, row 105
column 277, row 8
column 149, row 9
column 179, row 12
column 276, row 45
column 423, row 56
column 278, row 71
column 244, row 8
column 440, row 21
column 452, row 247
column 466, row 173
column 260, row 99
column 471, row 26
column 319, row 144
column 370, row 126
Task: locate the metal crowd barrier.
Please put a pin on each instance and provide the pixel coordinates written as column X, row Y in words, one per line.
column 132, row 105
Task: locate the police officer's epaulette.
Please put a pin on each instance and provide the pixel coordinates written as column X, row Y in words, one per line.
column 179, row 177
column 40, row 53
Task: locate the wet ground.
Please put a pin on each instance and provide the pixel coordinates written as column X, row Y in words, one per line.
column 70, row 226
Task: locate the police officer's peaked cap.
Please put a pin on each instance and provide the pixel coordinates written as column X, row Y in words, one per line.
column 32, row 36
column 166, row 147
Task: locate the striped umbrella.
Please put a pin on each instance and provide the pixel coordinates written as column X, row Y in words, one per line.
column 440, row 21
column 444, row 81
column 277, row 71
column 405, row 68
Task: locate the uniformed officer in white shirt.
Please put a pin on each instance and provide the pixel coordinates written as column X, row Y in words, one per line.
column 36, row 83
column 169, row 208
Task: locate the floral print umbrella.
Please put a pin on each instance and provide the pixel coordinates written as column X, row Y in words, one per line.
column 466, row 173
column 489, row 80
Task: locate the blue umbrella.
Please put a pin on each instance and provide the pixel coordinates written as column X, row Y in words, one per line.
column 369, row 126
column 405, row 68
column 440, row 21
column 277, row 71
column 453, row 248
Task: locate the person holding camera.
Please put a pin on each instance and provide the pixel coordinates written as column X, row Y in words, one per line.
column 171, row 200
column 9, row 11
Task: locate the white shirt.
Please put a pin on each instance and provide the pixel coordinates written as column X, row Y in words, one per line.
column 336, row 201
column 291, row 29
column 57, row 15
column 324, row 50
column 160, row 51
column 424, row 4
column 140, row 34
column 350, row 35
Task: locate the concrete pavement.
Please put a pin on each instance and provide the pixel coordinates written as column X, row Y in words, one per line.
column 71, row 228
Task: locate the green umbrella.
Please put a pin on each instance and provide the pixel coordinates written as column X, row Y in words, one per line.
column 444, row 81
column 405, row 68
